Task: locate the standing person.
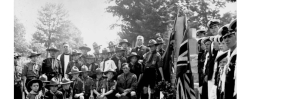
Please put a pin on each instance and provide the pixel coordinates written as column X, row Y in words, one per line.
column 97, row 53
column 111, row 46
column 87, row 83
column 34, row 86
column 77, row 85
column 109, row 85
column 153, row 69
column 65, row 58
column 92, row 65
column 107, row 63
column 66, row 89
column 31, row 70
column 51, row 67
column 84, row 50
column 126, row 83
column 126, row 45
column 17, row 78
column 201, row 32
column 221, row 61
column 53, row 93
column 75, row 62
column 205, row 58
column 160, row 43
column 230, row 69
column 135, row 67
column 119, row 60
column 45, row 81
column 140, row 48
column 98, row 84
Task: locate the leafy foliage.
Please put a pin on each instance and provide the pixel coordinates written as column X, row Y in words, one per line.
column 20, row 43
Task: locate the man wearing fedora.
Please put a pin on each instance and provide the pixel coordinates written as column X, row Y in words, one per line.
column 126, row 45
column 34, row 86
column 153, row 69
column 65, row 58
column 53, row 93
column 77, row 85
column 230, row 69
column 84, row 50
column 160, row 43
column 119, row 60
column 87, row 83
column 75, row 62
column 31, row 70
column 51, row 67
column 140, row 48
column 66, row 89
column 17, row 78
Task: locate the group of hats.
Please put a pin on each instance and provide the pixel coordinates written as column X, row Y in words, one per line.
column 152, row 42
column 53, row 82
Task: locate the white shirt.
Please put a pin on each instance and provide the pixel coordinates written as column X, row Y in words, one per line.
column 109, row 64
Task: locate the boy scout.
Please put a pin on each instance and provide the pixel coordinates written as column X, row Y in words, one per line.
column 53, row 93
column 98, row 84
column 75, row 62
column 66, row 89
column 77, row 85
column 87, row 83
column 35, row 86
column 31, row 70
column 45, row 81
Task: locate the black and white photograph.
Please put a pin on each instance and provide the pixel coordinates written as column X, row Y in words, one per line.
column 125, row 49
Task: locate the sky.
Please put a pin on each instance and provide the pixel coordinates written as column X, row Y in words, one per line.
column 89, row 16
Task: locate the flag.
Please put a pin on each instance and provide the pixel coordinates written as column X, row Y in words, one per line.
column 167, row 58
column 184, row 77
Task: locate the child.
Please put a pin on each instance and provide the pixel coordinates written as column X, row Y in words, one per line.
column 66, row 89
column 35, row 86
column 77, row 84
column 109, row 85
column 98, row 84
column 45, row 81
column 87, row 83
column 53, row 93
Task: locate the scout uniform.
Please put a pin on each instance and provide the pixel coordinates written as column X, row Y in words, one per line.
column 161, row 51
column 17, row 78
column 92, row 66
column 119, row 61
column 230, row 68
column 67, row 93
column 111, row 47
column 31, row 70
column 54, row 95
column 98, row 84
column 128, row 49
column 97, row 52
column 77, row 84
column 135, row 68
column 152, row 63
column 73, row 63
column 44, row 79
column 110, row 85
column 140, row 50
column 87, row 82
column 127, row 81
column 51, row 67
column 83, row 55
column 32, row 94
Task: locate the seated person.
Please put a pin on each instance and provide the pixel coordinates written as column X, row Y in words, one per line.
column 98, row 84
column 109, row 85
column 66, row 89
column 126, row 83
column 35, row 86
column 53, row 93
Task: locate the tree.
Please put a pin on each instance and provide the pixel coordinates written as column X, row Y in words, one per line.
column 227, row 17
column 20, row 43
column 54, row 27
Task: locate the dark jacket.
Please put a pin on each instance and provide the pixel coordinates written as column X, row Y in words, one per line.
column 209, row 71
column 116, row 60
column 230, row 80
column 49, row 70
column 88, row 85
column 161, row 52
column 62, row 61
column 92, row 67
column 77, row 86
column 58, row 94
column 67, row 93
column 128, row 81
column 71, row 64
column 140, row 50
column 136, row 69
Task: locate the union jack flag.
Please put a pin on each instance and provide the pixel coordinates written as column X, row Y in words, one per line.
column 184, row 77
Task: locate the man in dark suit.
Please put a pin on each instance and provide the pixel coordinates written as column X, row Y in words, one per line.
column 119, row 59
column 65, row 58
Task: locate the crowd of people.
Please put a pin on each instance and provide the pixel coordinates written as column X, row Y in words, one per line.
column 122, row 72
column 115, row 72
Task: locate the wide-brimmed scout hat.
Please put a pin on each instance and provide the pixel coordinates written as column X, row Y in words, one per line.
column 160, row 41
column 90, row 56
column 85, row 47
column 157, row 35
column 124, row 41
column 74, row 70
column 98, row 71
column 133, row 54
column 65, row 81
column 34, row 54
column 35, row 81
column 52, row 48
column 213, row 22
column 231, row 29
column 53, row 82
column 44, row 78
column 75, row 53
column 119, row 49
column 95, row 45
column 84, row 68
column 152, row 42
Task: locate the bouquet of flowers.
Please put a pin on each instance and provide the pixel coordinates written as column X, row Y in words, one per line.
column 168, row 90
